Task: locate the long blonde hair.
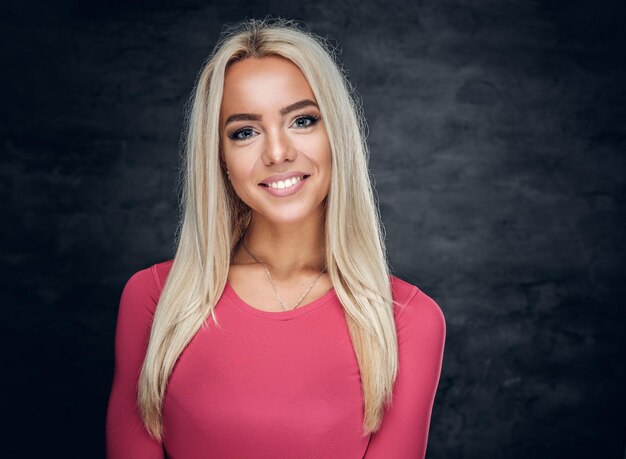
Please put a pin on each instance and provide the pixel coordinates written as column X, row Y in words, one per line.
column 213, row 220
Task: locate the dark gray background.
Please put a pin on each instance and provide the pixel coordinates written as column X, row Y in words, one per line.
column 497, row 131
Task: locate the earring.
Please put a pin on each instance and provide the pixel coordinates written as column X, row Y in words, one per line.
column 228, row 173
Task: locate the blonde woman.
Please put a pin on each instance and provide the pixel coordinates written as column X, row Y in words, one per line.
column 277, row 330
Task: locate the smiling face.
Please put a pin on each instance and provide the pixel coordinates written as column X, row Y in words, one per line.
column 270, row 125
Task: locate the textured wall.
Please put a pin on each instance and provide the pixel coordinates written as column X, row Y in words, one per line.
column 497, row 132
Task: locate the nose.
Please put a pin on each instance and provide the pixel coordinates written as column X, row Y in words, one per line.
column 278, row 148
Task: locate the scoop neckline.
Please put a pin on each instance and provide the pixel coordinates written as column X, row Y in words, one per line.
column 278, row 315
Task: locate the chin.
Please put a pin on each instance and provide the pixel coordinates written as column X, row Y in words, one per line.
column 286, row 215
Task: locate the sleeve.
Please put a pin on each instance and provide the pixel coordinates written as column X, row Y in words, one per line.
column 126, row 436
column 421, row 330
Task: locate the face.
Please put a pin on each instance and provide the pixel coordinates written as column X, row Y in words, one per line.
column 270, row 125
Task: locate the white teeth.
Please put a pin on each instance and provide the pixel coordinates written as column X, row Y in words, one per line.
column 282, row 184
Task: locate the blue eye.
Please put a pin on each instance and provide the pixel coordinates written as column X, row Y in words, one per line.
column 242, row 134
column 306, row 121
column 302, row 122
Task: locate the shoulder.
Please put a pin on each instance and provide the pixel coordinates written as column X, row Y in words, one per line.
column 160, row 272
column 415, row 309
column 144, row 286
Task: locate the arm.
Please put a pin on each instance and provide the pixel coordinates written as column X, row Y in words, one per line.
column 126, row 436
column 421, row 331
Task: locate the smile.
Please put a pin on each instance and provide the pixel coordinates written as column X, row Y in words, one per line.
column 285, row 187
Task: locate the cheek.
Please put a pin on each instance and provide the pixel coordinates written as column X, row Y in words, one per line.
column 326, row 157
column 324, row 162
column 317, row 148
column 239, row 161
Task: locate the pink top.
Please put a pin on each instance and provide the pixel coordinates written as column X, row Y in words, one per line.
column 273, row 384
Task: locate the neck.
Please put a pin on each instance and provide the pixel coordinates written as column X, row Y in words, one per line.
column 286, row 249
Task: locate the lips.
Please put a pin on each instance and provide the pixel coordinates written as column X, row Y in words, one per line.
column 284, row 192
column 283, row 177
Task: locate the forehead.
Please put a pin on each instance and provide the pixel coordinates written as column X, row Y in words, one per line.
column 265, row 84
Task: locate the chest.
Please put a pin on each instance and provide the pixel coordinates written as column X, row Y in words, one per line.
column 255, row 384
column 254, row 289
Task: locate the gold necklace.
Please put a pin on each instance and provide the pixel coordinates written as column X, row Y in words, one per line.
column 272, row 282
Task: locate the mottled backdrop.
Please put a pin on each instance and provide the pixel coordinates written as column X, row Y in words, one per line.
column 497, row 133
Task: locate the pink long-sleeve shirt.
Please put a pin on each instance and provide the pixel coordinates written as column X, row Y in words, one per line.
column 273, row 384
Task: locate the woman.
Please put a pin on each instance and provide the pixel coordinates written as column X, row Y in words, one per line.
column 312, row 348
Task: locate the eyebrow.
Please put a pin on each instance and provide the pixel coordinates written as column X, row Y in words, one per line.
column 283, row 111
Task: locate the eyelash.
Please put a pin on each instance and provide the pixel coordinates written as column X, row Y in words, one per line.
column 312, row 118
